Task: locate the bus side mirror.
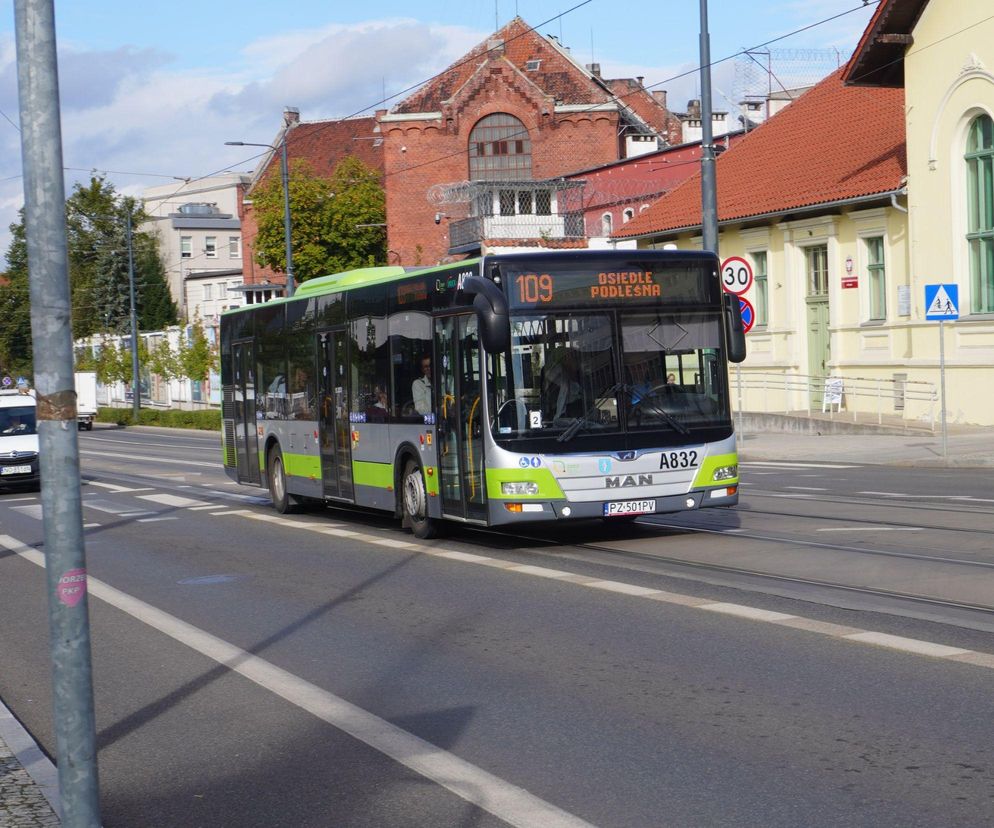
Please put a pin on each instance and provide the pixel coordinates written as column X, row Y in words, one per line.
column 734, row 329
column 491, row 313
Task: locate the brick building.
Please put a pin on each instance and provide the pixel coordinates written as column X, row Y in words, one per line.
column 478, row 157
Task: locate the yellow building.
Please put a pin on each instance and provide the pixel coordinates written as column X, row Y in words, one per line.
column 942, row 53
column 844, row 224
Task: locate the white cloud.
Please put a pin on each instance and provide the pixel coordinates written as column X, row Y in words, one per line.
column 126, row 111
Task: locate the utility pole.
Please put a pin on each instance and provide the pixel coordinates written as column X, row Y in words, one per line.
column 51, row 338
column 285, row 173
column 136, row 389
column 709, row 190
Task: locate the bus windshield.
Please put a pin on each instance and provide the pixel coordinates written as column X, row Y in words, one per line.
column 609, row 372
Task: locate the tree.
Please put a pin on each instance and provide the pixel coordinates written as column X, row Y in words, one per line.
column 196, row 355
column 98, row 273
column 15, row 307
column 325, row 213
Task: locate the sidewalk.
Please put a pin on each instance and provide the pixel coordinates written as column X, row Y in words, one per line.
column 29, row 785
column 966, row 447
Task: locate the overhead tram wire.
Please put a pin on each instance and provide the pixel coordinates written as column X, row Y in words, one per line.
column 692, row 71
column 388, row 98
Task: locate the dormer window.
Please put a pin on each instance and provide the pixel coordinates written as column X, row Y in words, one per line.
column 533, row 65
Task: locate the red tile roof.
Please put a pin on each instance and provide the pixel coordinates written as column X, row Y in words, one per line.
column 556, row 76
column 834, row 143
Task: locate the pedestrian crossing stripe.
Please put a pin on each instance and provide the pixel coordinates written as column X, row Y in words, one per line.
column 943, row 303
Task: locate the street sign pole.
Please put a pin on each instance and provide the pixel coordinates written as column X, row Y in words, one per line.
column 942, row 387
column 65, row 554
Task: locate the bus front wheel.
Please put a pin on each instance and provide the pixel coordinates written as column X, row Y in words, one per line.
column 277, row 483
column 415, row 502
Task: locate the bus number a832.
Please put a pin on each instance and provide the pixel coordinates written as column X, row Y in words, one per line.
column 534, row 288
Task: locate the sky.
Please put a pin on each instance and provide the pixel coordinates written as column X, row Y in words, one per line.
column 151, row 91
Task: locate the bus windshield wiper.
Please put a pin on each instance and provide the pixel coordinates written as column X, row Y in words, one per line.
column 584, row 419
column 665, row 416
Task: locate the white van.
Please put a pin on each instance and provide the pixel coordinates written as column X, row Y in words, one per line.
column 18, row 440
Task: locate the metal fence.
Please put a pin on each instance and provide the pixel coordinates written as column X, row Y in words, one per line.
column 850, row 397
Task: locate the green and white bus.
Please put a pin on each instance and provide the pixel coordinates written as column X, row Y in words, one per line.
column 493, row 391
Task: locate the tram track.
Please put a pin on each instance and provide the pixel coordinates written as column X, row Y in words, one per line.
column 986, row 611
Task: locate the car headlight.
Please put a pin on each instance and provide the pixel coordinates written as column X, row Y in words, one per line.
column 725, row 473
column 526, row 487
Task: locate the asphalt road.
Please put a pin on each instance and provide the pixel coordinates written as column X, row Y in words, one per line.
column 330, row 670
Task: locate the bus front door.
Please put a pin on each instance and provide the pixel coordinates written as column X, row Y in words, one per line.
column 334, row 437
column 246, row 435
column 459, row 412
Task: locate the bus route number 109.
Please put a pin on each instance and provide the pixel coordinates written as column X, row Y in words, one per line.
column 534, row 288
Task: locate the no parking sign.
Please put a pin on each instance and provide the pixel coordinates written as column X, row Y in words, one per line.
column 748, row 314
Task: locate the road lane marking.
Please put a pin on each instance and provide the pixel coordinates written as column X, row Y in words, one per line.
column 115, row 488
column 636, row 591
column 173, row 500
column 146, row 459
column 806, row 488
column 908, row 645
column 33, row 511
column 157, row 519
column 508, row 802
column 798, row 465
column 872, row 529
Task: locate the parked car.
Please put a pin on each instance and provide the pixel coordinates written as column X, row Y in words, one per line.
column 18, row 440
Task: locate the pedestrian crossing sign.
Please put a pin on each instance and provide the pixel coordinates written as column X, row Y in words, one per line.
column 942, row 302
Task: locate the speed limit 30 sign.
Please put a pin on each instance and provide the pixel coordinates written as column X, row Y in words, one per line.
column 736, row 275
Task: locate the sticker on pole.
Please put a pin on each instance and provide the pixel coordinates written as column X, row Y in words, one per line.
column 748, row 314
column 72, row 587
column 736, row 275
column 942, row 302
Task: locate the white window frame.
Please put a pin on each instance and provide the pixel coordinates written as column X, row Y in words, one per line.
column 210, row 247
column 234, row 247
column 186, row 247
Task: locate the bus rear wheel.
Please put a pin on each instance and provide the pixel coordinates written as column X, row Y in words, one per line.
column 277, row 482
column 414, row 499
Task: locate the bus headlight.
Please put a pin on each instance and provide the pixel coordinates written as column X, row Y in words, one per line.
column 525, row 487
column 725, row 473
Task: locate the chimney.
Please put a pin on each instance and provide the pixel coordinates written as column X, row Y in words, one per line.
column 660, row 96
column 640, row 78
column 594, row 69
column 291, row 116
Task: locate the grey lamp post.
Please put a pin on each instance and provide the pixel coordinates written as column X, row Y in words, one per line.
column 285, row 174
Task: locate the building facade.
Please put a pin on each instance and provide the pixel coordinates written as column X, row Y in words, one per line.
column 199, row 233
column 941, row 52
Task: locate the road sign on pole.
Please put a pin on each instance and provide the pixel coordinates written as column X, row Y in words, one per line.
column 942, row 302
column 736, row 275
column 748, row 314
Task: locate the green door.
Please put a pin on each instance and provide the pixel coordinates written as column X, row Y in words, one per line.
column 819, row 338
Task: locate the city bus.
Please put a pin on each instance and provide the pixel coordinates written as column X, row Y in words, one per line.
column 494, row 391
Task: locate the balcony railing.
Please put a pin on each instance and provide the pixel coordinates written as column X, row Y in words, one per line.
column 473, row 231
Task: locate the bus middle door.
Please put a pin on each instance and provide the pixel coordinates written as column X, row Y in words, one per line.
column 333, row 423
column 460, row 422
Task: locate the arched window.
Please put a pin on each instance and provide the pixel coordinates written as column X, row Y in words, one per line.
column 607, row 224
column 980, row 210
column 500, row 149
column 628, row 215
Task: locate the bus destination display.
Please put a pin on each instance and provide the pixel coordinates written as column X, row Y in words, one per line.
column 634, row 285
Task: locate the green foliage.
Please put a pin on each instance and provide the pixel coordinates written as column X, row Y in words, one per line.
column 15, row 308
column 197, row 356
column 164, row 361
column 325, row 213
column 98, row 273
column 206, row 419
column 113, row 364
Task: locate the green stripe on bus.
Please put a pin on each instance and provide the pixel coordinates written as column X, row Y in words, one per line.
column 548, row 486
column 379, row 475
column 705, row 474
column 303, row 465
